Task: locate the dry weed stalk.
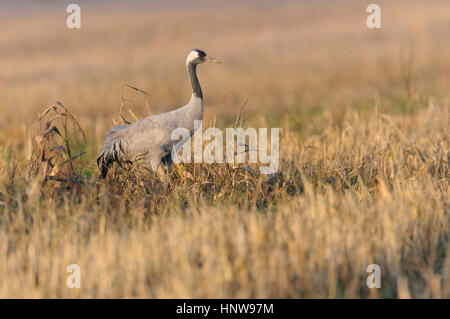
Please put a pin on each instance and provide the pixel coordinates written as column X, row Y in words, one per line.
column 58, row 155
column 122, row 103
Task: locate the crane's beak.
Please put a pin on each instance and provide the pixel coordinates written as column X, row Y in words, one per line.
column 211, row 60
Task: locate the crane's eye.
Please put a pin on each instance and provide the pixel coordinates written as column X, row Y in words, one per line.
column 201, row 54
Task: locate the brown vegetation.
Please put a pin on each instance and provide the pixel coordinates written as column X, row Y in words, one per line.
column 364, row 165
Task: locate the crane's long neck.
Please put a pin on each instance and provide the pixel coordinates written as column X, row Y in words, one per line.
column 196, row 89
column 194, row 108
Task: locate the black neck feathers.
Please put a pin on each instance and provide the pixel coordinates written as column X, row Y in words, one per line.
column 196, row 89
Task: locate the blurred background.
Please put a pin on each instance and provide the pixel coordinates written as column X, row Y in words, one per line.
column 294, row 60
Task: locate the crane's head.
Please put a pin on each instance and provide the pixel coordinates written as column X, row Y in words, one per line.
column 197, row 56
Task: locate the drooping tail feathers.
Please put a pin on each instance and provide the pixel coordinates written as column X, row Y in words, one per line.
column 112, row 151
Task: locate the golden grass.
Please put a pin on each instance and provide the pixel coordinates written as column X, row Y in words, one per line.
column 364, row 165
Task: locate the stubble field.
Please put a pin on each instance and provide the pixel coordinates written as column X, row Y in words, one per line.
column 364, row 152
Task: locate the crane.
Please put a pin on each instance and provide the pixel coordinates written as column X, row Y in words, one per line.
column 148, row 140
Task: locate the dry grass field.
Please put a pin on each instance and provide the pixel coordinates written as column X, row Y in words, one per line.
column 364, row 151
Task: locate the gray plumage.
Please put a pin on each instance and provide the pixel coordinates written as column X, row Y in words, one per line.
column 148, row 141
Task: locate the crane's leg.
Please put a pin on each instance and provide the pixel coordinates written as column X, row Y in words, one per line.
column 167, row 160
column 165, row 176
